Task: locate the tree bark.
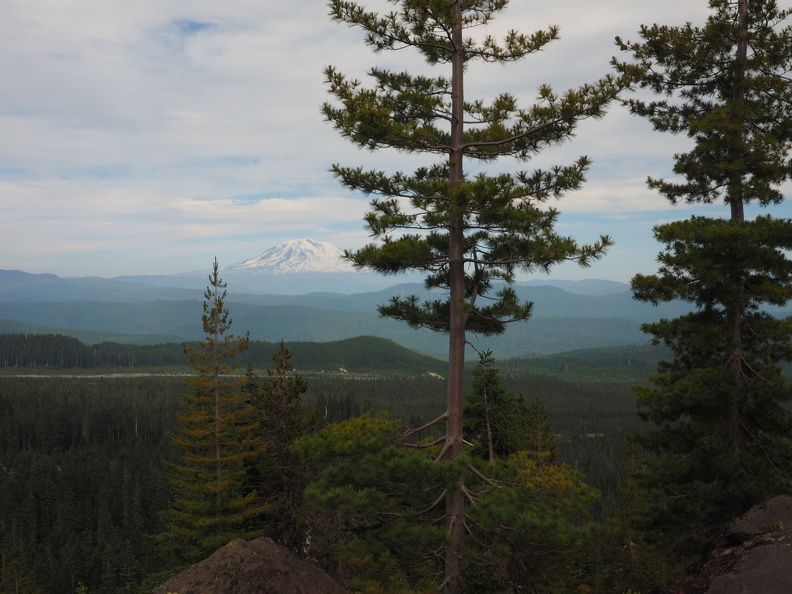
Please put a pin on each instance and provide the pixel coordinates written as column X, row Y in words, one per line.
column 738, row 97
column 736, row 202
column 455, row 501
column 218, row 452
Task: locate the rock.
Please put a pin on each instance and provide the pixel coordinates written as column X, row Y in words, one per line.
column 258, row 566
column 756, row 555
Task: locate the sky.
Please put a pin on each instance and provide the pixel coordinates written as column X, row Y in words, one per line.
column 151, row 137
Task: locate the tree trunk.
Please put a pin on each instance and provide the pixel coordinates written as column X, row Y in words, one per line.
column 217, row 432
column 455, row 502
column 218, row 457
column 738, row 97
column 736, row 202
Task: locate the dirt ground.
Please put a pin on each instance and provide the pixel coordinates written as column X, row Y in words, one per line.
column 257, row 566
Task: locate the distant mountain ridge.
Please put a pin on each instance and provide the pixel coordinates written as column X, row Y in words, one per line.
column 178, row 321
column 315, row 306
column 147, row 311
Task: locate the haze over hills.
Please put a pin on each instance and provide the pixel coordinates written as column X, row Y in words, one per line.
column 292, row 267
column 296, row 267
column 263, row 299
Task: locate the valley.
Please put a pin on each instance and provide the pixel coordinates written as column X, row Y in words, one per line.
column 569, row 316
column 92, row 379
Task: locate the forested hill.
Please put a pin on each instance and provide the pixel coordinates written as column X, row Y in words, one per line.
column 357, row 355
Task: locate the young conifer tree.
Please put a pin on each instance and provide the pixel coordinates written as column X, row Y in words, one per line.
column 496, row 421
column 541, row 443
column 466, row 233
column 721, row 441
column 282, row 477
column 218, row 434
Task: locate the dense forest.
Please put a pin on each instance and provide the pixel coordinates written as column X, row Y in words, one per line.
column 56, row 351
column 84, row 456
column 82, row 471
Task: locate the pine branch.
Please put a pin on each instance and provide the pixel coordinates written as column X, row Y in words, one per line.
column 439, row 419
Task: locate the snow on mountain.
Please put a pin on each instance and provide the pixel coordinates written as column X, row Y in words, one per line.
column 295, row 256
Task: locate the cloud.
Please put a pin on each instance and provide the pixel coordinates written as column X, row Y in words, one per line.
column 152, row 136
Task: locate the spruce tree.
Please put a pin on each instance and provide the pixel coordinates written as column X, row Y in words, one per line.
column 218, row 434
column 281, row 475
column 496, row 421
column 468, row 234
column 721, row 436
column 540, row 441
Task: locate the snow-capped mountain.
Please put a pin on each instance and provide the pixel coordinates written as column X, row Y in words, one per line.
column 295, row 256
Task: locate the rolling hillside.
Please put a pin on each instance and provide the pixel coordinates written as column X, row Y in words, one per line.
column 587, row 315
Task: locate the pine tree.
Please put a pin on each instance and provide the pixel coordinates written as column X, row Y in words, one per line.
column 540, row 441
column 628, row 560
column 218, row 434
column 377, row 506
column 469, row 235
column 281, row 476
column 495, row 420
column 721, row 441
column 14, row 578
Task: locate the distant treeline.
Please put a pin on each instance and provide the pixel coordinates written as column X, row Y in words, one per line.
column 65, row 352
column 359, row 354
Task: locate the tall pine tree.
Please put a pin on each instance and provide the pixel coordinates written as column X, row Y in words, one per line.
column 721, row 441
column 466, row 233
column 218, row 434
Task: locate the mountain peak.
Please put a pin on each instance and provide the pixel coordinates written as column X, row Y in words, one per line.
column 295, row 256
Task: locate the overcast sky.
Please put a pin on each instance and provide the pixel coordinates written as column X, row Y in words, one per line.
column 149, row 137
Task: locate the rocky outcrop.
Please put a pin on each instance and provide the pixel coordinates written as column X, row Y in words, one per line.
column 257, row 566
column 756, row 555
